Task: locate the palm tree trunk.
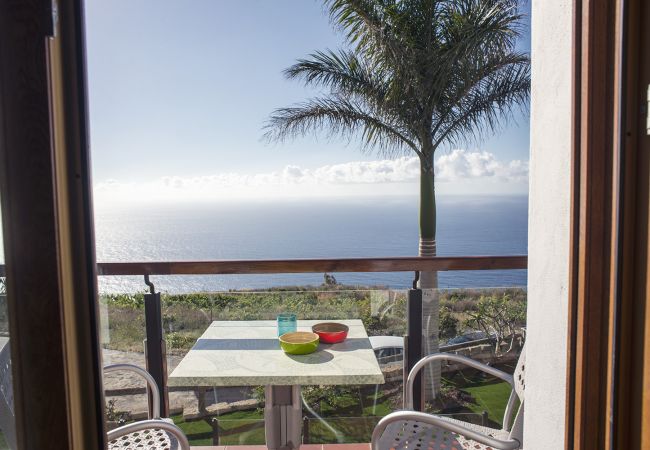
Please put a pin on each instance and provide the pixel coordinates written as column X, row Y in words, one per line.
column 429, row 280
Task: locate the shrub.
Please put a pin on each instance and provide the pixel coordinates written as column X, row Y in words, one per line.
column 448, row 323
column 498, row 315
column 180, row 340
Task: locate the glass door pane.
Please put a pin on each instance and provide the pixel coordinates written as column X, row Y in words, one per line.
column 7, row 416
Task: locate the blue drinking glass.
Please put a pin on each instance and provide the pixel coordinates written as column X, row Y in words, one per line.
column 286, row 323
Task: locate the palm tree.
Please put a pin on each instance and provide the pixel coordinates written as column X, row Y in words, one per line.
column 417, row 75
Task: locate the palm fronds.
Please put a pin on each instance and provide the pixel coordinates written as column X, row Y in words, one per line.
column 341, row 116
column 418, row 74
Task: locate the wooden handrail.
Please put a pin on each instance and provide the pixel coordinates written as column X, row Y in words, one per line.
column 320, row 265
column 388, row 264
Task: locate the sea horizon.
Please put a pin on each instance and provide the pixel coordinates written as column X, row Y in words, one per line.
column 287, row 228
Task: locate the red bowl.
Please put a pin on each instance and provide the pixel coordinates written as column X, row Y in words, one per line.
column 331, row 332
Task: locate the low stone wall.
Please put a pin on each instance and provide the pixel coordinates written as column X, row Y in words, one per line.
column 192, row 411
column 482, row 351
column 127, row 391
column 188, row 402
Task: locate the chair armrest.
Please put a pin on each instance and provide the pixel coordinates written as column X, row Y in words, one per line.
column 401, row 416
column 150, row 425
column 151, row 383
column 410, row 381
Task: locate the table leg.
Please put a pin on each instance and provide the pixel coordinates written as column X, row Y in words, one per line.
column 200, row 394
column 282, row 417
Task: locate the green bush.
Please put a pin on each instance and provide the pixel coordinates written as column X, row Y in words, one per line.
column 180, row 340
column 448, row 323
column 501, row 315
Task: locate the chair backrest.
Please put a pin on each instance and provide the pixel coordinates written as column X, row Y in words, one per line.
column 519, row 378
column 7, row 415
column 152, row 387
column 520, row 374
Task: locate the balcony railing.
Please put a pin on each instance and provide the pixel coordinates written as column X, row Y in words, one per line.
column 278, row 266
column 155, row 351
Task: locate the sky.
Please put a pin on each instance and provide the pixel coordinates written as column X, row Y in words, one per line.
column 180, row 92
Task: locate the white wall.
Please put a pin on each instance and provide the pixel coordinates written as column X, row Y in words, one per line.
column 548, row 242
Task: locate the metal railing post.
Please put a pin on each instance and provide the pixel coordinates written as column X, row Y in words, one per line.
column 155, row 347
column 413, row 342
column 214, row 422
column 305, row 430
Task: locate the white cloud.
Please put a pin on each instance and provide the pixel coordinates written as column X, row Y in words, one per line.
column 393, row 176
column 464, row 165
column 399, row 170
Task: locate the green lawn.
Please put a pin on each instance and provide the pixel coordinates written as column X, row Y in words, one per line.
column 490, row 394
column 491, row 398
column 193, row 427
column 249, row 423
column 352, row 420
column 341, row 430
column 358, row 403
column 239, row 420
column 227, row 422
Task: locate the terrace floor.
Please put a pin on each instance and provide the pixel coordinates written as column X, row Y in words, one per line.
column 302, row 447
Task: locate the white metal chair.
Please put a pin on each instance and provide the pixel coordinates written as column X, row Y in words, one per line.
column 151, row 434
column 7, row 415
column 413, row 430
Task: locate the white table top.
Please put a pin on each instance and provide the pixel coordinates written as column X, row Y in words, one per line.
column 247, row 353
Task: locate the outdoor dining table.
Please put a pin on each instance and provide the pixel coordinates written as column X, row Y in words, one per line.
column 247, row 353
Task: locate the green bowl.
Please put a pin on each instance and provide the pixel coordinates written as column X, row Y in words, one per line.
column 299, row 342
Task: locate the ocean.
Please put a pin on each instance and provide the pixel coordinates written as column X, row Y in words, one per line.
column 328, row 228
